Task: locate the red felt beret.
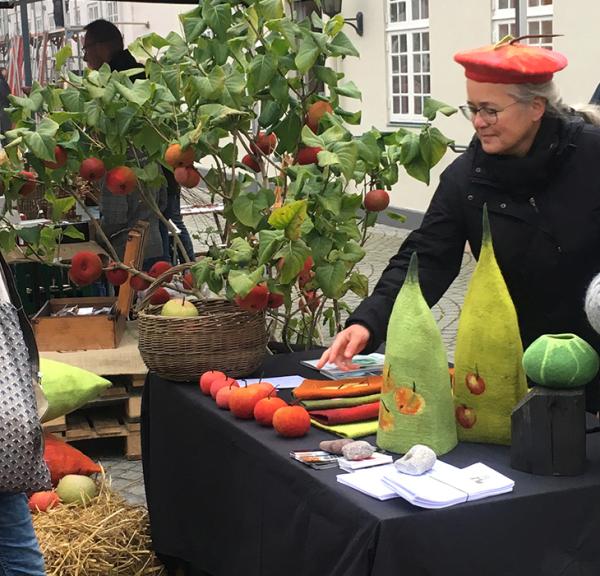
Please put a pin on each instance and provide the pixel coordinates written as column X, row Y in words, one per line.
column 511, row 63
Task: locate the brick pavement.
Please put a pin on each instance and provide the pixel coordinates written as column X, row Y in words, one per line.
column 383, row 243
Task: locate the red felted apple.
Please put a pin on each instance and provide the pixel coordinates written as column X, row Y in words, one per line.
column 243, row 400
column 315, row 112
column 159, row 268
column 307, row 155
column 256, row 300
column 176, row 156
column 251, row 162
column 475, row 383
column 310, row 301
column 306, row 274
column 219, row 383
column 121, row 180
column 465, row 416
column 86, row 268
column 188, row 280
column 376, row 200
column 266, row 407
column 187, row 176
column 291, row 421
column 116, row 276
column 222, row 397
column 159, row 296
column 138, row 283
column 207, row 378
column 29, row 182
column 275, row 300
column 60, row 156
column 266, row 143
column 92, row 169
column 43, row 501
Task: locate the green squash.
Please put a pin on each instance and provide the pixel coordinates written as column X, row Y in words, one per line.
column 560, row 361
column 416, row 397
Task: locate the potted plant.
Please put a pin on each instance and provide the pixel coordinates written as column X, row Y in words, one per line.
column 249, row 92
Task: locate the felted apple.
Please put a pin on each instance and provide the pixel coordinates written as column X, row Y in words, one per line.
column 306, row 274
column 266, row 143
column 222, row 397
column 243, row 400
column 310, row 301
column 116, row 276
column 376, row 200
column 207, row 378
column 86, row 268
column 408, row 401
column 307, row 155
column 138, row 283
column 43, row 501
column 219, row 383
column 92, row 169
column 266, row 407
column 475, row 383
column 275, row 300
column 315, row 112
column 188, row 280
column 60, row 156
column 249, row 161
column 179, row 307
column 176, row 156
column 465, row 416
column 121, row 180
column 29, row 182
column 187, row 176
column 256, row 300
column 159, row 296
column 159, row 268
column 291, row 421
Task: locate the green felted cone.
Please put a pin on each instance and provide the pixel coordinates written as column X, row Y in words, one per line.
column 416, row 396
column 489, row 377
column 560, row 361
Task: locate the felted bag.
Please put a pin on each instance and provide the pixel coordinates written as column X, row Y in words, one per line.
column 416, row 397
column 22, row 465
column 489, row 379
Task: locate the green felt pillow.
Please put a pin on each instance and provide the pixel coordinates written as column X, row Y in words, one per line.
column 67, row 387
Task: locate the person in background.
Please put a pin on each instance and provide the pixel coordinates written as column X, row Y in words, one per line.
column 5, row 123
column 103, row 44
column 173, row 212
column 534, row 163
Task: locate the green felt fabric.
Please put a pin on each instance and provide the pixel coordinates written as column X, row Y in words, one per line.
column 353, row 430
column 339, row 402
column 67, row 387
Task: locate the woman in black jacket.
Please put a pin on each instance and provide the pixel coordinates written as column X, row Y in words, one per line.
column 537, row 168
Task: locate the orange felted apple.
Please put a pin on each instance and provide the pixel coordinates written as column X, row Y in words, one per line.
column 138, row 283
column 219, row 383
column 376, row 200
column 207, row 378
column 176, row 156
column 291, row 421
column 121, row 180
column 315, row 112
column 92, row 169
column 243, row 400
column 43, row 501
column 116, row 276
column 222, row 397
column 266, row 143
column 187, row 176
column 61, row 157
column 249, row 161
column 266, row 407
column 159, row 268
column 256, row 300
column 29, row 182
column 159, row 296
column 86, row 268
column 308, row 155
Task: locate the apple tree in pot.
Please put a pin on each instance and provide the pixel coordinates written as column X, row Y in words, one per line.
column 236, row 92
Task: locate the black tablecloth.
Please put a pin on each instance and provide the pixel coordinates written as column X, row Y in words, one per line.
column 224, row 495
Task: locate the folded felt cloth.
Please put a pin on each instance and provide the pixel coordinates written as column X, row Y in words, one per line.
column 352, row 430
column 345, row 415
column 311, row 389
column 327, row 403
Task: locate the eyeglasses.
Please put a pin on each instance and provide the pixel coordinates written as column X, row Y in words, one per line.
column 88, row 46
column 487, row 114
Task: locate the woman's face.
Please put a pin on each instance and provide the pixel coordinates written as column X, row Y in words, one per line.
column 514, row 126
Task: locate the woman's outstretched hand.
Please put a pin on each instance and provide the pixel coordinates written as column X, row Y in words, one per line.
column 347, row 343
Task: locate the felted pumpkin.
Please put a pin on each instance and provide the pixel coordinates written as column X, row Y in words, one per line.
column 560, row 361
column 416, row 396
column 488, row 374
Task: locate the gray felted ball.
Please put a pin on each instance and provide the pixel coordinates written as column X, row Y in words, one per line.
column 592, row 303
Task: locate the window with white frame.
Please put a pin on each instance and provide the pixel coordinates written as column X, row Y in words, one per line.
column 539, row 20
column 112, row 11
column 409, row 76
column 93, row 11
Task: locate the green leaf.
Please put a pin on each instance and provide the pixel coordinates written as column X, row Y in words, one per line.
column 8, row 239
column 261, row 72
column 250, row 208
column 41, row 146
column 62, row 56
column 279, row 89
column 201, row 271
column 359, row 284
column 410, row 148
column 269, row 241
column 348, row 89
column 288, row 29
column 62, row 205
column 308, row 53
column 211, row 87
column 171, row 77
column 30, row 234
column 347, row 153
column 433, row 145
column 352, row 252
column 288, row 132
column 341, row 46
column 330, row 278
column 320, row 246
column 335, row 134
column 396, row 217
column 368, row 149
column 217, row 16
column 240, row 251
column 431, row 107
column 334, row 25
column 309, row 138
column 294, row 255
column 327, row 158
column 139, row 94
column 72, row 100
column 326, row 75
column 289, row 218
column 417, row 168
column 242, row 281
column 193, row 28
column 72, row 232
column 48, row 127
column 270, row 113
column 270, row 9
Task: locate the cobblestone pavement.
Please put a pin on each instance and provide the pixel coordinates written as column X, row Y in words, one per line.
column 383, row 243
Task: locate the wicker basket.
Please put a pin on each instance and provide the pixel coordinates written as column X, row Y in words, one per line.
column 222, row 337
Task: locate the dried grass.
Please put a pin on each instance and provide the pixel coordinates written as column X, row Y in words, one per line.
column 106, row 536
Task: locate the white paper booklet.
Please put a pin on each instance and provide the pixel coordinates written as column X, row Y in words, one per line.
column 376, row 459
column 369, row 481
column 368, row 365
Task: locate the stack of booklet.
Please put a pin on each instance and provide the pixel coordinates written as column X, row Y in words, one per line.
column 444, row 485
column 368, row 365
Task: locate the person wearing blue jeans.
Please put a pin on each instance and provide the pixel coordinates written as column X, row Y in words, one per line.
column 173, row 212
column 19, row 550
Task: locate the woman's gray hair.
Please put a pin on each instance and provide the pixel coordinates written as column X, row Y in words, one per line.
column 548, row 91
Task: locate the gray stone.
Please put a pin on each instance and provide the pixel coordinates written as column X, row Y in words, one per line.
column 418, row 460
column 358, row 450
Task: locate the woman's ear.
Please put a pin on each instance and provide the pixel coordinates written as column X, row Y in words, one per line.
column 538, row 106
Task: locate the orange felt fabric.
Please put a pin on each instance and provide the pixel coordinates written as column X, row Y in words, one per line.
column 63, row 459
column 311, row 389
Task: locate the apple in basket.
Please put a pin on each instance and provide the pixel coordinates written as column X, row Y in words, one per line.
column 179, row 307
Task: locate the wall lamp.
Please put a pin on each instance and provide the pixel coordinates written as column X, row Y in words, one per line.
column 333, row 7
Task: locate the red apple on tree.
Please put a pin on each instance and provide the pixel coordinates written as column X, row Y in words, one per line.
column 159, row 268
column 315, row 112
column 116, row 276
column 138, row 283
column 159, row 296
column 121, row 180
column 465, row 416
column 308, row 155
column 29, row 182
column 60, row 156
column 376, row 200
column 176, row 156
column 275, row 300
column 251, row 162
column 86, row 268
column 256, row 300
column 92, row 169
column 187, row 176
column 266, row 143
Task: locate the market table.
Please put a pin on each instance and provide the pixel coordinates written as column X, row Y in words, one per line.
column 224, row 495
